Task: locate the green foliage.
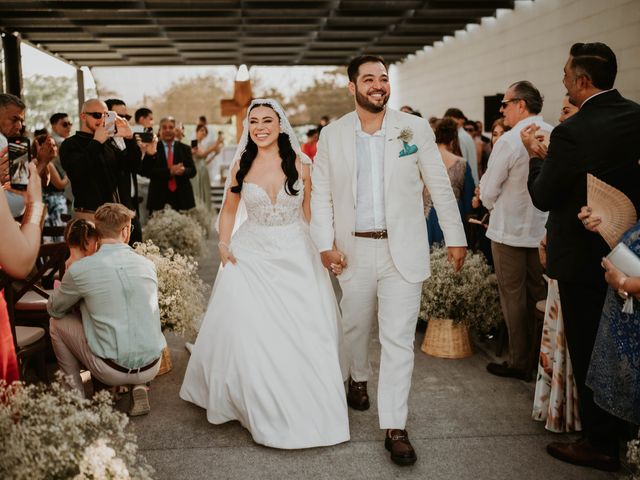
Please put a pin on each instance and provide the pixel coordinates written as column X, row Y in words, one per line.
column 469, row 296
column 45, row 95
column 327, row 96
column 188, row 98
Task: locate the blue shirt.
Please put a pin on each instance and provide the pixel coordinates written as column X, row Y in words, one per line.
column 117, row 292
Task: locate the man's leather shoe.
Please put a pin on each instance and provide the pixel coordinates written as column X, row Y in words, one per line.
column 402, row 453
column 357, row 396
column 503, row 370
column 585, row 454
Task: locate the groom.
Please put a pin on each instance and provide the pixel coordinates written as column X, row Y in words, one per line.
column 368, row 223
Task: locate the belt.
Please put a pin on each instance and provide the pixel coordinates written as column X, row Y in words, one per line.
column 84, row 210
column 377, row 234
column 122, row 369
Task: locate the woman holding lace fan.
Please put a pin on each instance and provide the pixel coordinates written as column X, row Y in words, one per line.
column 267, row 353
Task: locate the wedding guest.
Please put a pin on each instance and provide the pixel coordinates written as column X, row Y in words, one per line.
column 558, row 184
column 19, row 248
column 203, row 154
column 467, row 145
column 116, row 335
column 98, row 168
column 515, row 227
column 81, row 237
column 568, row 109
column 131, row 158
column 144, row 118
column 169, row 171
column 614, row 369
column 459, row 174
column 310, row 147
column 60, row 127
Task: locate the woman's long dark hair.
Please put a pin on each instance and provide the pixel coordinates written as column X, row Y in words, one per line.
column 287, row 154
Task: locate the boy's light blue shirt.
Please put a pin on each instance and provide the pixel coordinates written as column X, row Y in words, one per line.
column 117, row 292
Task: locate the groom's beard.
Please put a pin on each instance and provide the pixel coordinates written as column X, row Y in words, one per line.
column 364, row 102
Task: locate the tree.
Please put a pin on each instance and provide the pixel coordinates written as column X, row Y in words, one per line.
column 327, row 96
column 45, row 95
column 188, row 98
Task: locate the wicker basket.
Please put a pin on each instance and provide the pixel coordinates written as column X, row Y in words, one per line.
column 444, row 339
column 165, row 362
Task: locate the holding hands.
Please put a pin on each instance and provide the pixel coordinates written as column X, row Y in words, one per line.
column 333, row 260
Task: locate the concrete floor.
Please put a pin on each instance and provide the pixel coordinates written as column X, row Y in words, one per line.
column 463, row 423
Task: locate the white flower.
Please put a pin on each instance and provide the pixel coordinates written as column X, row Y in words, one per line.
column 406, row 135
column 100, row 462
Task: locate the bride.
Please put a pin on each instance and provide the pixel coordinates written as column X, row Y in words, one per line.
column 267, row 351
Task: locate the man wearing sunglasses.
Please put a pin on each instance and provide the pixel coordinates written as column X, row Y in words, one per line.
column 99, row 169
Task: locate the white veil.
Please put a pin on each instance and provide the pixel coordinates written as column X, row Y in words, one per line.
column 285, row 127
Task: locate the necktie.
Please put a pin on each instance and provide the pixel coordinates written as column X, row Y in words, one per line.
column 172, row 180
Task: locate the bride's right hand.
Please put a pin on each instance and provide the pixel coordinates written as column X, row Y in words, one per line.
column 226, row 255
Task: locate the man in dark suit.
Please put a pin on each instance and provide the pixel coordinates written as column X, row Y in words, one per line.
column 601, row 139
column 169, row 171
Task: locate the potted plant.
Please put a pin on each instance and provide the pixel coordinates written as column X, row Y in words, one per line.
column 181, row 293
column 454, row 302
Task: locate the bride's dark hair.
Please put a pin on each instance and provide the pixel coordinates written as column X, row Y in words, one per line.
column 287, row 154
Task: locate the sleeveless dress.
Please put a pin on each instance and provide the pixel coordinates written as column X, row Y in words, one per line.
column 267, row 353
column 8, row 361
column 614, row 371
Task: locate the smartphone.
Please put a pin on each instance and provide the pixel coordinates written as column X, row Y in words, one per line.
column 194, row 143
column 19, row 158
column 110, row 123
column 145, row 137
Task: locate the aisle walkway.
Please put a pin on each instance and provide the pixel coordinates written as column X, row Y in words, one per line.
column 464, row 424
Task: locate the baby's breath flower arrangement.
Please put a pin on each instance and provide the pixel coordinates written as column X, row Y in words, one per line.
column 201, row 215
column 181, row 292
column 51, row 432
column 171, row 229
column 469, row 296
column 633, row 457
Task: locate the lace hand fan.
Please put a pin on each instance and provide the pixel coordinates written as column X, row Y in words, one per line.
column 614, row 208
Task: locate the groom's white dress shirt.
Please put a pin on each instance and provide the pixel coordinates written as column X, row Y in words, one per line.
column 370, row 178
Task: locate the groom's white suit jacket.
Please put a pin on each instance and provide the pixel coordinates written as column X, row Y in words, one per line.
column 333, row 196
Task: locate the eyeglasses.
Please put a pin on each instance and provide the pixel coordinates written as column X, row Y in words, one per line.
column 96, row 115
column 504, row 103
column 66, row 124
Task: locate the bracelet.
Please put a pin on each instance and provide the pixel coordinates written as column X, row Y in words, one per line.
column 35, row 213
column 222, row 244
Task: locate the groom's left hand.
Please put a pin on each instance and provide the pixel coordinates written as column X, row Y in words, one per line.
column 456, row 257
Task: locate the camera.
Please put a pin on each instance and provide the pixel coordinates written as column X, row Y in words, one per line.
column 19, row 158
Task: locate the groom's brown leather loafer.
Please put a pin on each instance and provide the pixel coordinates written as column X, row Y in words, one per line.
column 357, row 396
column 584, row 454
column 402, row 453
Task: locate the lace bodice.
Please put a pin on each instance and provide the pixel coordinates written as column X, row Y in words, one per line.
column 262, row 211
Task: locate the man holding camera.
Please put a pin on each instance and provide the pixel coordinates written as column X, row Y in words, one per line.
column 98, row 167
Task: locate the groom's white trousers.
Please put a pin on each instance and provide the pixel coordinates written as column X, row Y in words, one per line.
column 376, row 286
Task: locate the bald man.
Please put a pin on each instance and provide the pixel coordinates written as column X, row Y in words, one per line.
column 94, row 162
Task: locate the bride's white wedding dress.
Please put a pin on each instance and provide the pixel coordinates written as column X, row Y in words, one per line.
column 267, row 351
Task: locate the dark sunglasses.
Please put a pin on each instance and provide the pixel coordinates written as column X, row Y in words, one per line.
column 66, row 124
column 504, row 103
column 127, row 117
column 96, row 115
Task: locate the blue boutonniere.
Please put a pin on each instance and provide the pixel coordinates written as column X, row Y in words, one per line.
column 406, row 135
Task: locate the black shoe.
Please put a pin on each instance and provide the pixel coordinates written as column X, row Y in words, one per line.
column 503, row 370
column 402, row 453
column 585, row 454
column 357, row 396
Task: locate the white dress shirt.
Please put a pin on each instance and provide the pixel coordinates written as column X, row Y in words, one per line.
column 370, row 179
column 514, row 220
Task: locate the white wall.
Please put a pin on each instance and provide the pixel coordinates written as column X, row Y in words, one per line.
column 531, row 43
